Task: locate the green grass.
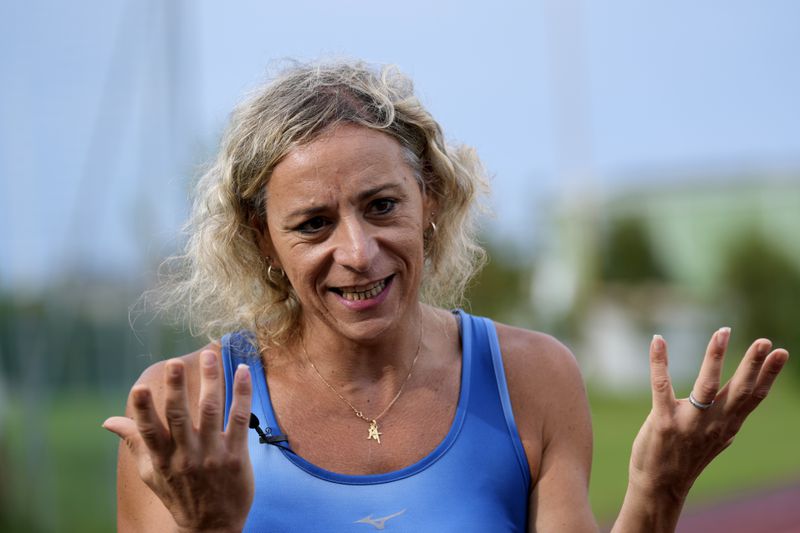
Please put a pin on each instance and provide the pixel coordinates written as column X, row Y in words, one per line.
column 60, row 465
column 763, row 454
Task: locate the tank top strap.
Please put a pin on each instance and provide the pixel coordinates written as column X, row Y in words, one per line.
column 489, row 384
column 240, row 348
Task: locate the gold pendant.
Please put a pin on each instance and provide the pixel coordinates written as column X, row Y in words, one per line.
column 373, row 431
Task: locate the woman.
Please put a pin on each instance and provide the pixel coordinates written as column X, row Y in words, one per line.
column 333, row 223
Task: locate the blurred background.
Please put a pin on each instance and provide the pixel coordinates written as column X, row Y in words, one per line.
column 646, row 179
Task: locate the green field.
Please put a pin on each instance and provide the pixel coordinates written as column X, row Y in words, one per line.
column 57, row 466
column 60, row 465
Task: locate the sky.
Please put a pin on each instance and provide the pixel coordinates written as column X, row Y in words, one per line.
column 109, row 108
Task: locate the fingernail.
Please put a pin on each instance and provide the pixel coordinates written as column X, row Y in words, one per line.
column 244, row 375
column 723, row 334
column 208, row 359
column 140, row 395
column 764, row 347
column 658, row 342
column 174, row 370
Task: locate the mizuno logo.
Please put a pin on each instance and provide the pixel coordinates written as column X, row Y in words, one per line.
column 378, row 523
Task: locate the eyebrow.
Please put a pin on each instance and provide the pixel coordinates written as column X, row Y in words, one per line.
column 317, row 209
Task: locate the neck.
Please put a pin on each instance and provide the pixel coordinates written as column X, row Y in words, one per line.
column 357, row 362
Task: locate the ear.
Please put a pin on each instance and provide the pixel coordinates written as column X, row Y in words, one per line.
column 264, row 241
column 430, row 206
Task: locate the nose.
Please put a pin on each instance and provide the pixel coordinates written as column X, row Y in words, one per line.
column 356, row 248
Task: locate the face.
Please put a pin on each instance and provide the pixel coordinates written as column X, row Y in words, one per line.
column 345, row 221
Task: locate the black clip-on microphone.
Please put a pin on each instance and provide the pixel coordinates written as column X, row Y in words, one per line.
column 265, row 438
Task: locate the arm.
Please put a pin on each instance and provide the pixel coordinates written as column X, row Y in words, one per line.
column 678, row 440
column 184, row 476
column 552, row 414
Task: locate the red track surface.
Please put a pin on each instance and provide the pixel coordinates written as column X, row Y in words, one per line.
column 772, row 511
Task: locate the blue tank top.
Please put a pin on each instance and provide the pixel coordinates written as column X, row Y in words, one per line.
column 476, row 479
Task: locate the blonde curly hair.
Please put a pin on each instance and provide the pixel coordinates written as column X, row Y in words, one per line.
column 220, row 282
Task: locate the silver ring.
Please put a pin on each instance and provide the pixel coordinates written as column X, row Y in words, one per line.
column 700, row 405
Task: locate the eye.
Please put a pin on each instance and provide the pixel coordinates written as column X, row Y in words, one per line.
column 312, row 225
column 383, row 206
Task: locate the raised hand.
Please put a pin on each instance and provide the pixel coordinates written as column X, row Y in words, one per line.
column 681, row 436
column 201, row 474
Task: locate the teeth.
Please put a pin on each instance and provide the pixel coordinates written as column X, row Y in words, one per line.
column 365, row 294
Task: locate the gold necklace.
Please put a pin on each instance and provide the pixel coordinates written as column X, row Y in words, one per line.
column 373, row 434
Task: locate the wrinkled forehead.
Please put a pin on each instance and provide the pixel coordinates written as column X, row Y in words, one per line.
column 346, row 160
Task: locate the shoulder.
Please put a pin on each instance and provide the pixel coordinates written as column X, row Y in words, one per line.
column 532, row 357
column 547, row 393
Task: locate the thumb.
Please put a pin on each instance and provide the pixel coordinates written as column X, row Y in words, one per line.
column 124, row 428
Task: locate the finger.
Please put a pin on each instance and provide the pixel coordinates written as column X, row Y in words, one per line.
column 210, row 400
column 660, row 383
column 743, row 382
column 177, row 405
column 708, row 380
column 239, row 417
column 148, row 424
column 772, row 366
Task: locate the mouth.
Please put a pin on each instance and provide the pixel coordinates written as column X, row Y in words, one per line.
column 358, row 293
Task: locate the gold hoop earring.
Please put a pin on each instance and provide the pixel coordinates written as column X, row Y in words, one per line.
column 427, row 237
column 280, row 272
